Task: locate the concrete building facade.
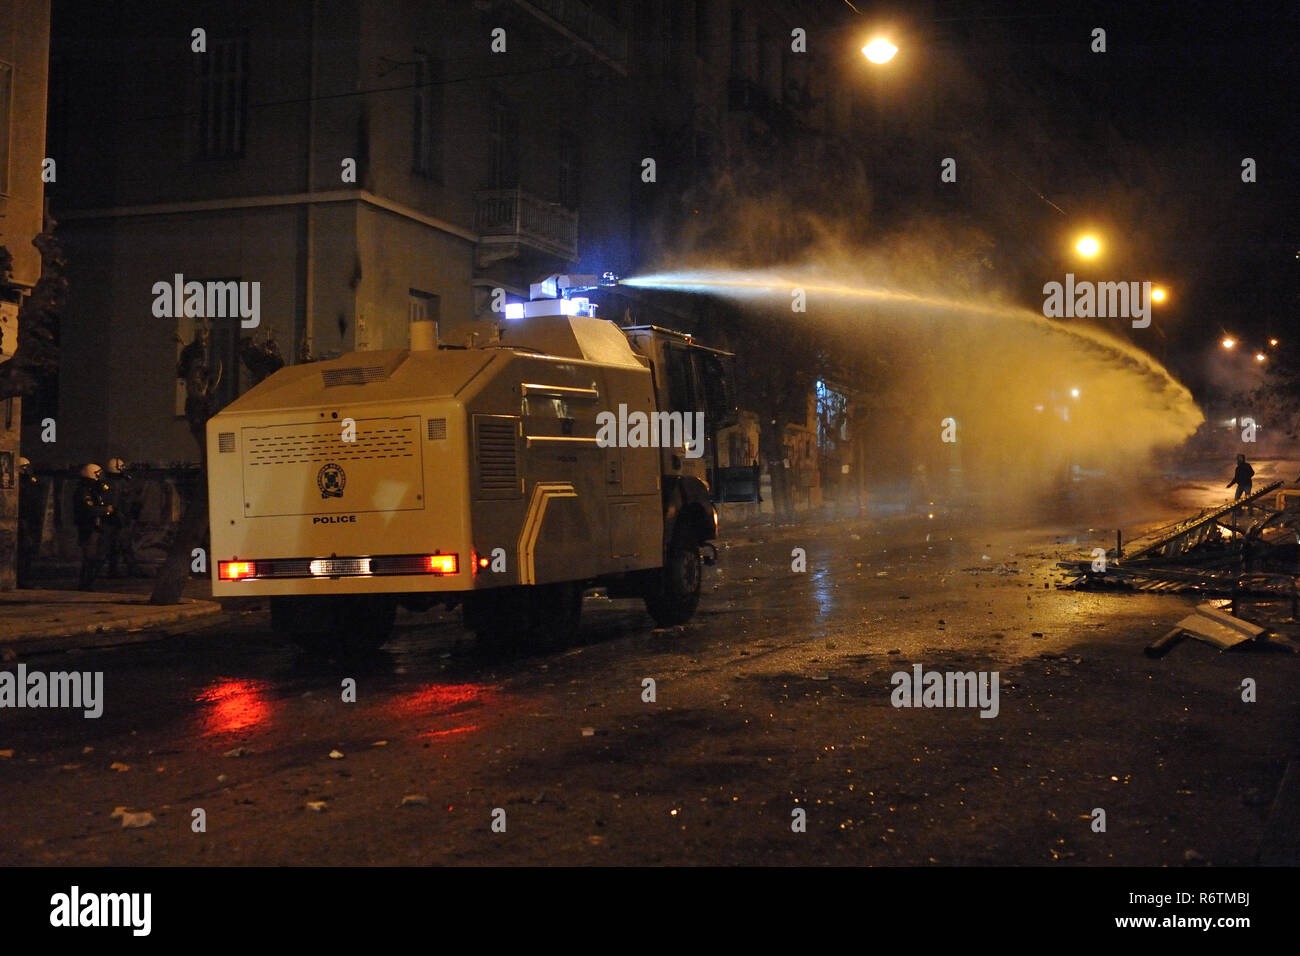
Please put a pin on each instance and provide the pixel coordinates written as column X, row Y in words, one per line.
column 24, row 69
column 369, row 163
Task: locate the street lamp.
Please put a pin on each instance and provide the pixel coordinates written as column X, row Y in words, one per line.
column 1259, row 356
column 1157, row 294
column 1088, row 246
column 1229, row 342
column 879, row 50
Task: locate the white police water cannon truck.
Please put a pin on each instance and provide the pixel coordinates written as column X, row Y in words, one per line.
column 507, row 477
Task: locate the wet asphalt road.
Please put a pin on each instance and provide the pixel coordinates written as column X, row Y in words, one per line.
column 776, row 698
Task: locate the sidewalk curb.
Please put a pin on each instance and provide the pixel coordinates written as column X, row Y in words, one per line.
column 72, row 620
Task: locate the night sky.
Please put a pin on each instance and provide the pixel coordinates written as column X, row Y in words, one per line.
column 1144, row 143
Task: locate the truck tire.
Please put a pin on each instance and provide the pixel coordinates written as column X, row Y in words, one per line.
column 335, row 625
column 493, row 616
column 673, row 592
column 545, row 615
column 557, row 613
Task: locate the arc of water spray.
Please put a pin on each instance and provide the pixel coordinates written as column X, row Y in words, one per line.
column 755, row 284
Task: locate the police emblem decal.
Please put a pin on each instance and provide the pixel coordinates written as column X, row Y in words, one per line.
column 330, row 480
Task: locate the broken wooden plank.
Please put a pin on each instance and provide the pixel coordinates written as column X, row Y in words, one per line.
column 1213, row 626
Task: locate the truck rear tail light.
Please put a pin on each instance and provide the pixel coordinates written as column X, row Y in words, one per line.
column 442, row 564
column 236, row 570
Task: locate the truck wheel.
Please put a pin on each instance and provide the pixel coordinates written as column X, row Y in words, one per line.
column 496, row 617
column 337, row 625
column 521, row 617
column 673, row 593
column 556, row 613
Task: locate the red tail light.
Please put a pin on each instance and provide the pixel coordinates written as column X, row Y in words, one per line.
column 235, row 570
column 443, row 563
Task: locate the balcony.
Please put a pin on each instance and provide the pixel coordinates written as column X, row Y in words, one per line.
column 580, row 22
column 511, row 221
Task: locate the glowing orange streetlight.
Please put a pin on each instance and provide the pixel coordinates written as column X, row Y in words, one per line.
column 879, row 50
column 1158, row 294
column 1088, row 246
column 1229, row 342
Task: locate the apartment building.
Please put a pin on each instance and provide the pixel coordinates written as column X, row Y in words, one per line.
column 369, row 163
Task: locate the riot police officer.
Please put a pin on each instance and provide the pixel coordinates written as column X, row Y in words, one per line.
column 90, row 509
column 31, row 520
column 119, row 526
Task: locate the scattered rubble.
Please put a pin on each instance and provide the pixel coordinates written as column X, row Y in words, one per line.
column 1244, row 546
column 1211, row 625
column 133, row 821
column 1243, row 550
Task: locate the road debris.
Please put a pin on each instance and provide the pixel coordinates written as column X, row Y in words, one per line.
column 1243, row 546
column 131, row 820
column 1211, row 625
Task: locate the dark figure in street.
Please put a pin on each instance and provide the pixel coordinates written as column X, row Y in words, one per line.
column 31, row 520
column 120, row 525
column 90, row 511
column 1241, row 478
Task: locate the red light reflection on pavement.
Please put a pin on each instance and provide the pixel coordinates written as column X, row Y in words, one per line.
column 468, row 728
column 445, row 706
column 233, row 706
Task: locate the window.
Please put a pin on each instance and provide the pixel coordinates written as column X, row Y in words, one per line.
column 672, row 31
column 426, row 118
column 832, row 418
column 222, row 116
column 503, row 133
column 423, row 306
column 570, row 169
column 703, row 154
column 681, row 387
column 737, row 41
column 764, row 59
column 703, row 36
column 222, row 350
column 6, row 97
column 225, row 351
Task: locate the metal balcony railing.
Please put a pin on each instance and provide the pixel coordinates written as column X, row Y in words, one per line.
column 580, row 18
column 515, row 216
